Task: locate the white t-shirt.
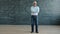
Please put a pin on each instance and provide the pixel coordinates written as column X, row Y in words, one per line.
column 34, row 10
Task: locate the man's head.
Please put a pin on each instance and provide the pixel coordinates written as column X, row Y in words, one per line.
column 34, row 3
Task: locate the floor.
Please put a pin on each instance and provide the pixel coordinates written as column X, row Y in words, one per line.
column 26, row 29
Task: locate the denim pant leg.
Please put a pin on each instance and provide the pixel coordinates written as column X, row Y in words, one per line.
column 32, row 23
column 36, row 23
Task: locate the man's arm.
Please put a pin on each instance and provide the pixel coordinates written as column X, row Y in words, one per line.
column 38, row 9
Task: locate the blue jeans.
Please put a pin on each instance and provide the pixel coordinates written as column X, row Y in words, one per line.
column 34, row 21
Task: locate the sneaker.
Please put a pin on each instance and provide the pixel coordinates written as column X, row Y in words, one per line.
column 31, row 32
column 37, row 32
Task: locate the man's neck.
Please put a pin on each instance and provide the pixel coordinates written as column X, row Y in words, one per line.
column 34, row 6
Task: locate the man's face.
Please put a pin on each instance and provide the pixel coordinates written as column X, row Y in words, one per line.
column 35, row 4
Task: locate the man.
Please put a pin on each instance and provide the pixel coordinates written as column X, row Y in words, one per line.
column 34, row 17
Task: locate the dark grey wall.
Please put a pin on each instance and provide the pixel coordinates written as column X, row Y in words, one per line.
column 18, row 12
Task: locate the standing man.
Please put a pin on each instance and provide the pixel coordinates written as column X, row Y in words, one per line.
column 34, row 17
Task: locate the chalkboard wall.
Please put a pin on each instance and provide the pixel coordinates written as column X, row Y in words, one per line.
column 17, row 12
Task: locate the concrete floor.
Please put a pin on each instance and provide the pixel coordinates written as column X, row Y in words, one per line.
column 26, row 29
